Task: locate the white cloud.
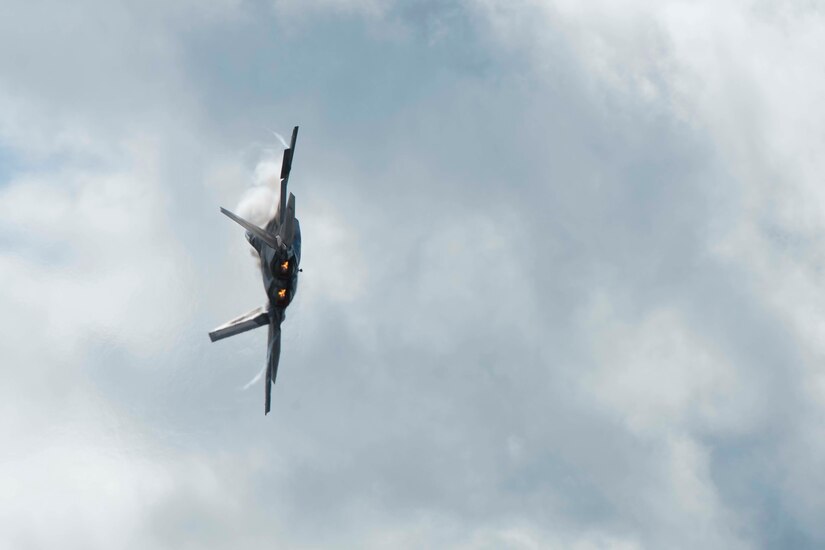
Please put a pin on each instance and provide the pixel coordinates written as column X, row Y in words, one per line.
column 659, row 377
column 445, row 389
column 299, row 8
column 746, row 77
column 93, row 255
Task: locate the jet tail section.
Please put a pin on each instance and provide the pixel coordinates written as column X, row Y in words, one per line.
column 258, row 317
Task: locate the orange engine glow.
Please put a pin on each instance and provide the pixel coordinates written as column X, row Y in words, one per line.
column 282, row 293
column 285, row 265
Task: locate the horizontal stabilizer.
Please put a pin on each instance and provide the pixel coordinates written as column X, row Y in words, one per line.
column 269, row 239
column 258, row 317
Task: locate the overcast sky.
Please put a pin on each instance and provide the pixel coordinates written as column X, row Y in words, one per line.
column 563, row 274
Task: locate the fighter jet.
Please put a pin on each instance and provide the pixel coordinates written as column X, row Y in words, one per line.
column 279, row 247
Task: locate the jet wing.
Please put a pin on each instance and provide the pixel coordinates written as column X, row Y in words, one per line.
column 258, row 317
column 286, row 164
column 286, row 167
column 273, row 358
column 269, row 239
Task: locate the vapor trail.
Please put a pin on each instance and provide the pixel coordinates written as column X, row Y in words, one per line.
column 280, row 138
column 254, row 380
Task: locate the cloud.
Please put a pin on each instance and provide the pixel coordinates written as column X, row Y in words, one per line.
column 733, row 73
column 560, row 278
column 292, row 8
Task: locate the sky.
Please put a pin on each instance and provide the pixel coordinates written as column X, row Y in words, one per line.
column 563, row 274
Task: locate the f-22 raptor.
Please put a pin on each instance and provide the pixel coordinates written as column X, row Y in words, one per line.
column 279, row 247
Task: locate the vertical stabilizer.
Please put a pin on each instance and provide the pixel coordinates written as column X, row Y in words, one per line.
column 287, row 229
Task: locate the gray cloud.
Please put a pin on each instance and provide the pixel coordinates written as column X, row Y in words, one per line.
column 560, row 287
